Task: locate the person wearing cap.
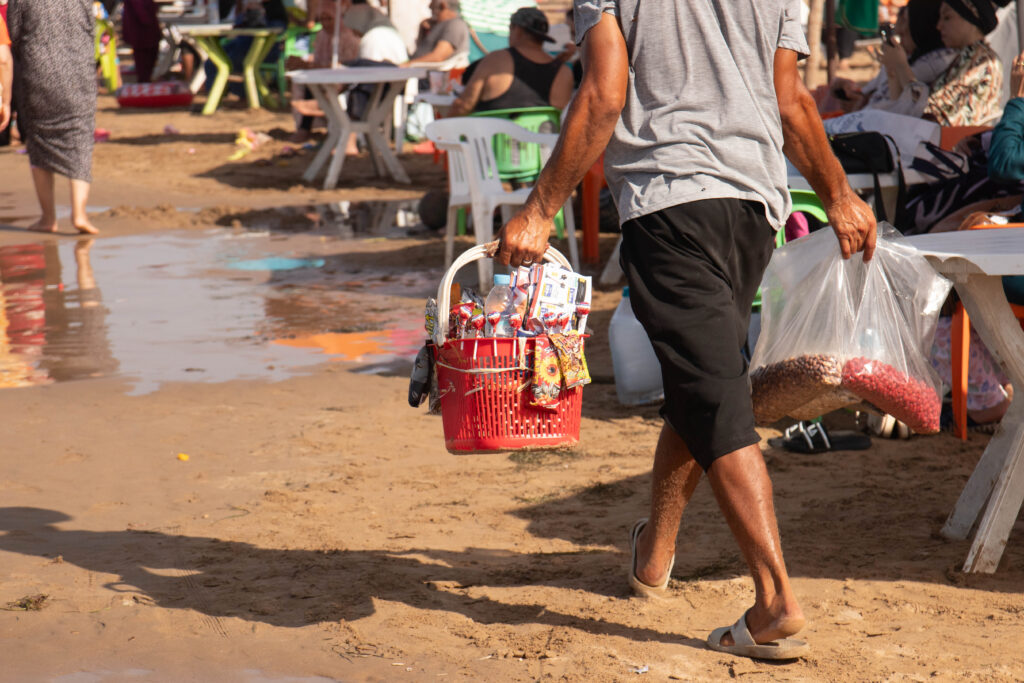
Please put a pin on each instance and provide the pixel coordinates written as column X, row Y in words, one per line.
column 524, row 75
column 696, row 104
column 968, row 92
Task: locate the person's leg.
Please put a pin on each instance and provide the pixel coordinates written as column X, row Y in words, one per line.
column 675, row 476
column 43, row 181
column 79, row 218
column 744, row 493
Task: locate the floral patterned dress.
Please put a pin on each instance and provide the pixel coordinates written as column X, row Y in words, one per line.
column 967, row 94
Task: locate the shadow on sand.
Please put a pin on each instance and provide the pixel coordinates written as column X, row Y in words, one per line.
column 292, row 588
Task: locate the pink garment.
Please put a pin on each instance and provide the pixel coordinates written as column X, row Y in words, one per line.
column 985, row 379
column 797, row 226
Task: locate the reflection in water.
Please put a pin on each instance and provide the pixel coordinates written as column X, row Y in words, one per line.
column 176, row 307
column 49, row 332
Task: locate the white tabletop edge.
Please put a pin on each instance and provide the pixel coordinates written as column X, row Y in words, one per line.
column 993, row 252
column 358, row 74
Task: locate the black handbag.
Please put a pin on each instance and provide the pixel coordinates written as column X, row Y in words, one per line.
column 871, row 152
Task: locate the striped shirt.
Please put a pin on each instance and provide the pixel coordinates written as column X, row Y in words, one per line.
column 491, row 16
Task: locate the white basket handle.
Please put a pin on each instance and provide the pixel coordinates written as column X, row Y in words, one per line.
column 478, row 252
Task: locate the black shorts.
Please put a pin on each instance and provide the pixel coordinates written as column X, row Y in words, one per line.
column 693, row 272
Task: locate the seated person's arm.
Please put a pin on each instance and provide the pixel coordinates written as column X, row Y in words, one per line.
column 442, row 51
column 1006, row 153
column 470, row 97
column 561, row 88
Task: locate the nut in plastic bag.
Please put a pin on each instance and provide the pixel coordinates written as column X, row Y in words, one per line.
column 821, row 313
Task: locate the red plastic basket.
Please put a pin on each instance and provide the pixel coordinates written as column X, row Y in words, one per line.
column 484, row 385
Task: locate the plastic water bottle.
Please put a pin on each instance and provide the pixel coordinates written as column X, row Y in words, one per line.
column 637, row 370
column 499, row 300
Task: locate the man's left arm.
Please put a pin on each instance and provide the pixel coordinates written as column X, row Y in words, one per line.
column 467, row 101
column 442, row 51
column 806, row 145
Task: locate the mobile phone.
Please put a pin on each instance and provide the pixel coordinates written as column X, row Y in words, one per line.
column 888, row 32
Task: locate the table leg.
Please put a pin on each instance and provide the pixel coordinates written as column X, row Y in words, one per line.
column 255, row 88
column 323, row 97
column 380, row 108
column 340, row 126
column 220, row 59
column 997, row 483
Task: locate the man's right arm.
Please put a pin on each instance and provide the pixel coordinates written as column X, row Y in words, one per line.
column 586, row 130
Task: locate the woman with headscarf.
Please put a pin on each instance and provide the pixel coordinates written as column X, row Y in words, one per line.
column 379, row 41
column 55, row 86
column 916, row 57
column 967, row 93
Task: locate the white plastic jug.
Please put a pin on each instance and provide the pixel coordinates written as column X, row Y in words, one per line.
column 637, row 370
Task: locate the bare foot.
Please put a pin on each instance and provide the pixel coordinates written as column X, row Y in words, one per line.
column 43, row 225
column 86, row 228
column 768, row 624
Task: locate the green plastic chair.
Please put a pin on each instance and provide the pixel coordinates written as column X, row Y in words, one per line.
column 288, row 40
column 520, row 162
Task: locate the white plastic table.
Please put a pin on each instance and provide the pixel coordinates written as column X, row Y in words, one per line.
column 324, row 84
column 975, row 261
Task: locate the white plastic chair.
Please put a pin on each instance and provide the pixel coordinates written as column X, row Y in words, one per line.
column 473, row 176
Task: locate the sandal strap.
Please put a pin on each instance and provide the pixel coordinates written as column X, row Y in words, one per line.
column 740, row 632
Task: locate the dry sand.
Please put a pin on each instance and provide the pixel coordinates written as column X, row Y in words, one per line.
column 320, row 529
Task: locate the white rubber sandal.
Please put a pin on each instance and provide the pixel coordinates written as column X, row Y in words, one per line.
column 640, row 588
column 744, row 645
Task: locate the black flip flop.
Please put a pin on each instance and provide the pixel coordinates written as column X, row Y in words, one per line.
column 812, row 438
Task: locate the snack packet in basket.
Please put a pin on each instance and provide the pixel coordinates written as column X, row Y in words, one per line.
column 547, row 376
column 571, row 360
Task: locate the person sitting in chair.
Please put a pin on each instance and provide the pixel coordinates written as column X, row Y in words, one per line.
column 524, row 75
column 442, row 36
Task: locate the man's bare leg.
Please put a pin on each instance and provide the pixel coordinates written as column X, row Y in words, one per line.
column 79, row 198
column 676, row 475
column 744, row 492
column 43, row 181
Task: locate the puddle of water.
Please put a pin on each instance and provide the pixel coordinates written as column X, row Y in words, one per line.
column 175, row 306
column 386, row 219
column 277, row 263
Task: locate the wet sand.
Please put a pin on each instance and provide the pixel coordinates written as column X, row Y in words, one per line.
column 318, row 530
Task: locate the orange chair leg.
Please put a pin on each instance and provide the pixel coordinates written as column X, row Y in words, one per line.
column 960, row 332
column 590, row 208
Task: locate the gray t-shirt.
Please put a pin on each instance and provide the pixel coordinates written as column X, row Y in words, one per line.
column 454, row 31
column 701, row 120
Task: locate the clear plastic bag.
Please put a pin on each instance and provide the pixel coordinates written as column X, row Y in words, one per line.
column 837, row 331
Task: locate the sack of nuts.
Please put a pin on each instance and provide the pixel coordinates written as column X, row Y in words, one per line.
column 837, row 332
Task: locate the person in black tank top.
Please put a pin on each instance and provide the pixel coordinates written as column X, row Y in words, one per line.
column 524, row 75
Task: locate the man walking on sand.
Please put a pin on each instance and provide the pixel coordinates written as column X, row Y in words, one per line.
column 700, row 100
